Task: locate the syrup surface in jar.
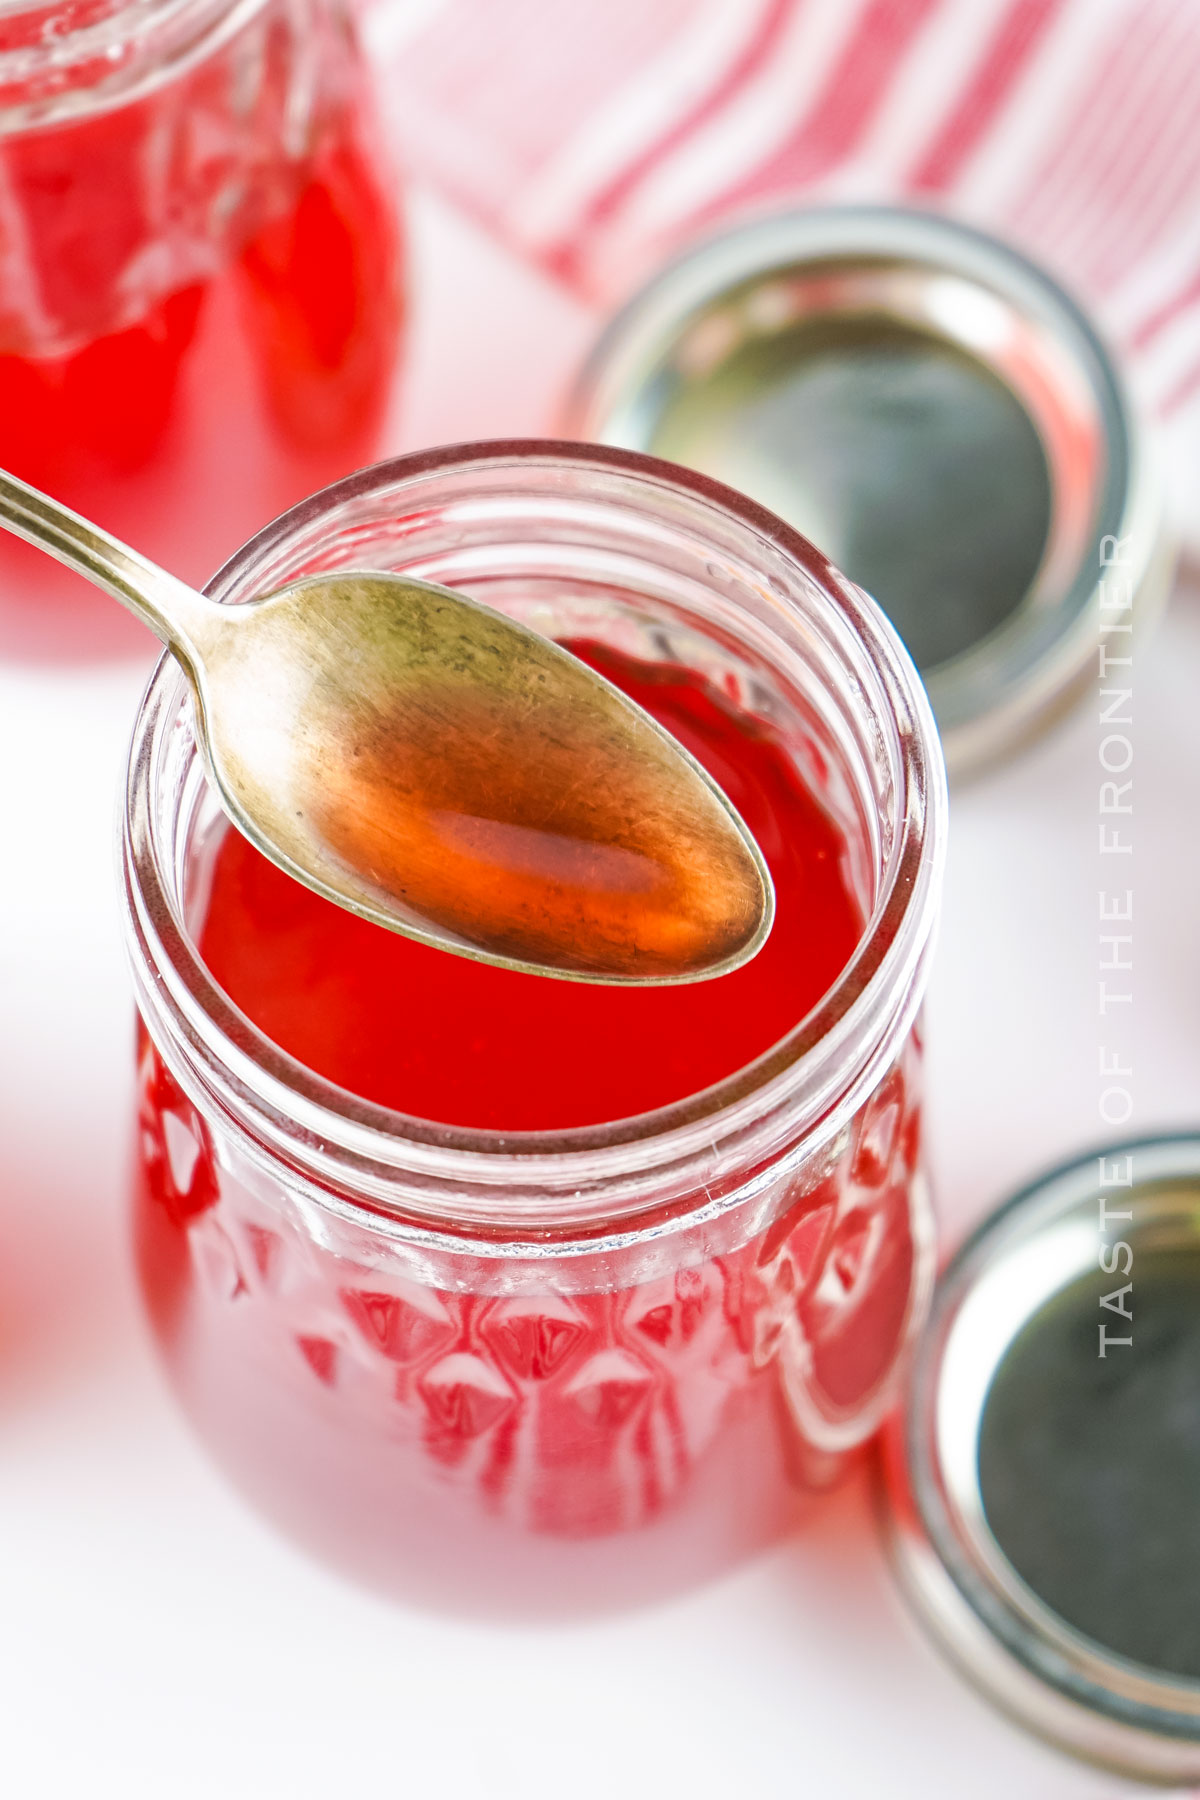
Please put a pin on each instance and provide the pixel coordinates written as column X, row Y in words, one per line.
column 444, row 1038
column 199, row 306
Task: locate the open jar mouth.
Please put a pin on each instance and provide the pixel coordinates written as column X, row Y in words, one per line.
column 508, row 521
column 78, row 57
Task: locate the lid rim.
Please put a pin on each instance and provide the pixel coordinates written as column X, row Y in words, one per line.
column 1003, row 1679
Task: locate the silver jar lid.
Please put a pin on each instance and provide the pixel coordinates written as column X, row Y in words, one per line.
column 1041, row 1492
column 928, row 407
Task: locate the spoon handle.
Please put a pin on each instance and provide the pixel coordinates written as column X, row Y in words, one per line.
column 176, row 613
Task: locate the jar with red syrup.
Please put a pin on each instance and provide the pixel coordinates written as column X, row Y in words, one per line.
column 199, row 293
column 507, row 1292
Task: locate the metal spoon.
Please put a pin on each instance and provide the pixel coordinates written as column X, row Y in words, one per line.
column 439, row 769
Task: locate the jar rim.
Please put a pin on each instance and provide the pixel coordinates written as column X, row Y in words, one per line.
column 113, row 56
column 885, row 972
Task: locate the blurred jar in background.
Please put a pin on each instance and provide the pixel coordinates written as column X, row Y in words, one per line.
column 199, row 283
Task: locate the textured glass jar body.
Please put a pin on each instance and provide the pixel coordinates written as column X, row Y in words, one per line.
column 199, row 296
column 588, row 1366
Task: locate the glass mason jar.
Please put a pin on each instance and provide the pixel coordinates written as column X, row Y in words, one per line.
column 550, row 1369
column 199, row 297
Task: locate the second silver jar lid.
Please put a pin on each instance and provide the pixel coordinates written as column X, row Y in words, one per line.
column 934, row 412
column 1042, row 1493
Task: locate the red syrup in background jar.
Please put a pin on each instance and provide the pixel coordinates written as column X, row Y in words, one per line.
column 199, row 300
column 467, row 1444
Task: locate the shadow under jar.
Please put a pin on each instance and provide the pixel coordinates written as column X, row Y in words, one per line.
column 533, row 1343
column 199, row 284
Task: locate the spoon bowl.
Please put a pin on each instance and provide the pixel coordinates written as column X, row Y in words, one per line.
column 440, row 769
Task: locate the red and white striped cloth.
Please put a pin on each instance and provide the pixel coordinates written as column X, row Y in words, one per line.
column 596, row 136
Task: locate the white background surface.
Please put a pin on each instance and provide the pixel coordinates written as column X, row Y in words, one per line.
column 157, row 1640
